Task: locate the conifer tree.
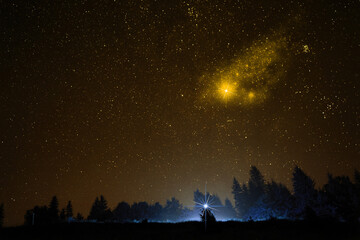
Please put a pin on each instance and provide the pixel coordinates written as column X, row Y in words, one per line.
column 122, row 212
column 207, row 215
column 172, row 210
column 256, row 184
column 54, row 210
column 95, row 210
column 341, row 194
column 99, row 210
column 69, row 210
column 304, row 191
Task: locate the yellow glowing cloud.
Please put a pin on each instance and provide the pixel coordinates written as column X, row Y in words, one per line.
column 248, row 79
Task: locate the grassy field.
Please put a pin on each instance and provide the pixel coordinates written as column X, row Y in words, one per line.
column 276, row 229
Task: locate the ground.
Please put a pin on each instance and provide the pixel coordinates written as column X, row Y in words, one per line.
column 275, row 229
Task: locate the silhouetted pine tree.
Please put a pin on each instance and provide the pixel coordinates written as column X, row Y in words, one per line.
column 107, row 213
column 276, row 203
column 134, row 212
column 242, row 199
column 53, row 210
column 256, row 184
column 342, row 195
column 95, row 211
column 279, row 198
column 139, row 211
column 99, row 210
column 251, row 196
column 304, row 192
column 122, row 212
column 323, row 207
column 69, row 210
column 210, row 218
column 172, row 210
column 155, row 211
column 261, row 200
column 1, row 215
column 245, row 201
column 40, row 214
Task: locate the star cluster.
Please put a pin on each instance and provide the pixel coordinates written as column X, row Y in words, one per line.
column 144, row 100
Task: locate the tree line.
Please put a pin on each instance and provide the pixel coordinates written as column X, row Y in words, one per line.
column 258, row 199
column 41, row 215
column 338, row 199
column 172, row 211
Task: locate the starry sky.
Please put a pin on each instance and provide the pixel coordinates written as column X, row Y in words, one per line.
column 144, row 100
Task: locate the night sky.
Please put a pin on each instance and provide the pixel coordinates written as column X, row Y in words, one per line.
column 145, row 100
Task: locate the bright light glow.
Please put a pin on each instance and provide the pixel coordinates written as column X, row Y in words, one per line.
column 226, row 90
column 204, row 203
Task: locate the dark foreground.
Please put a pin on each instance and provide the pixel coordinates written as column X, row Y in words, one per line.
column 275, row 229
